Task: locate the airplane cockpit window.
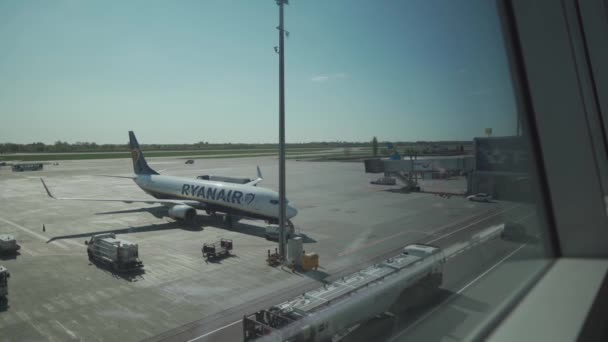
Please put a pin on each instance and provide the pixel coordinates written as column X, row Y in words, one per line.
column 274, row 202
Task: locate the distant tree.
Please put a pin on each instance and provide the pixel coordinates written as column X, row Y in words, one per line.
column 375, row 146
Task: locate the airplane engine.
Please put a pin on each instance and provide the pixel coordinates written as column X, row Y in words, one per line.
column 182, row 212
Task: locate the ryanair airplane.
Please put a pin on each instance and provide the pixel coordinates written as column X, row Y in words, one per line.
column 184, row 196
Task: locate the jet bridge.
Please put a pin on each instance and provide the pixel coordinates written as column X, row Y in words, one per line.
column 409, row 171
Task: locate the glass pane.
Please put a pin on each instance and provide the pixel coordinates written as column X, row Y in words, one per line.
column 412, row 208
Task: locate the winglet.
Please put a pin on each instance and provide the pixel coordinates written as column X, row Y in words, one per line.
column 48, row 192
column 257, row 180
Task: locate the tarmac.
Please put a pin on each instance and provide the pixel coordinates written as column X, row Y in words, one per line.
column 55, row 294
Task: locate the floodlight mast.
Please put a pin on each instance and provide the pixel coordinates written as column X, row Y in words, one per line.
column 282, row 200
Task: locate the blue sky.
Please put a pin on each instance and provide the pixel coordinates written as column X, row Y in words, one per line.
column 205, row 70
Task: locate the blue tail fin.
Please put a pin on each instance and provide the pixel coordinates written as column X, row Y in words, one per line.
column 140, row 167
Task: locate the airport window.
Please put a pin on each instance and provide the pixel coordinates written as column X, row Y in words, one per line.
column 418, row 172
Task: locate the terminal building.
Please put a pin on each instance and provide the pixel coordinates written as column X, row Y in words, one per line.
column 501, row 168
column 498, row 166
column 27, row 167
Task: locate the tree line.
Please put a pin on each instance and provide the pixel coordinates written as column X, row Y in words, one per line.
column 62, row 146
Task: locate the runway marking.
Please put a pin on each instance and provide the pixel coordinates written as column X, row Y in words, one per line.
column 31, row 232
column 440, row 306
column 214, row 331
column 68, row 331
column 28, row 251
column 40, row 329
column 375, row 242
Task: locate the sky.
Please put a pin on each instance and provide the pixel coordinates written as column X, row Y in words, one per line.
column 184, row 71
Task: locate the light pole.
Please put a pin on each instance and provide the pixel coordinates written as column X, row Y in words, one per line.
column 282, row 201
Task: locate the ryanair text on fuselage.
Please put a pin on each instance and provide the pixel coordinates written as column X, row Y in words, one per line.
column 213, row 194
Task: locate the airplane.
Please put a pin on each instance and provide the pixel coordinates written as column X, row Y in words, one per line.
column 183, row 196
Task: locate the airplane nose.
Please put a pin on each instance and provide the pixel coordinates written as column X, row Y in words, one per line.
column 291, row 211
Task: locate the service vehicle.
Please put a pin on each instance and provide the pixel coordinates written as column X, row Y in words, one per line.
column 189, row 161
column 27, row 167
column 217, row 249
column 8, row 244
column 4, row 275
column 513, row 231
column 384, row 181
column 480, row 197
column 120, row 255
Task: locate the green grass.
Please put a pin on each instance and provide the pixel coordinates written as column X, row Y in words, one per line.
column 152, row 154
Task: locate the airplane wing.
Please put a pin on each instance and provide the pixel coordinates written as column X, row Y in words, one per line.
column 114, row 176
column 168, row 202
column 256, row 181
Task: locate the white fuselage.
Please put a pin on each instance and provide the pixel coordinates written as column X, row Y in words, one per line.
column 245, row 200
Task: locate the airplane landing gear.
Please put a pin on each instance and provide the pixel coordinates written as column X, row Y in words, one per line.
column 228, row 220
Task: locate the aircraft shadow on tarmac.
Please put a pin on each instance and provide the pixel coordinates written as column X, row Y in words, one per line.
column 128, row 230
column 158, row 211
column 198, row 223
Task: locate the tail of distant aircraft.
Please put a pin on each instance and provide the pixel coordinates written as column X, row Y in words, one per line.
column 140, row 167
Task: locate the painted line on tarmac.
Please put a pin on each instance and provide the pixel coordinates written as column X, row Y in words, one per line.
column 440, row 306
column 214, row 331
column 473, row 223
column 434, row 310
column 28, row 251
column 33, row 233
column 73, row 336
column 375, row 242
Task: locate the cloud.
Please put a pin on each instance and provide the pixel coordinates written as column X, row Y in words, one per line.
column 319, row 78
column 328, row 77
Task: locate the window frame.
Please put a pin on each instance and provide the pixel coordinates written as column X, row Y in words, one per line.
column 559, row 109
column 550, row 111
